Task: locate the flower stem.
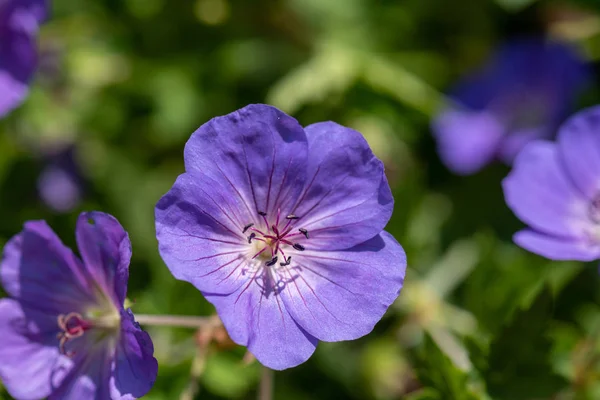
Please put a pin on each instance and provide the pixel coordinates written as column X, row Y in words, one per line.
column 177, row 320
column 265, row 391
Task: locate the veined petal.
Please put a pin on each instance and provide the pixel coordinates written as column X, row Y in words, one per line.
column 557, row 248
column 88, row 378
column 263, row 324
column 579, row 149
column 258, row 150
column 28, row 350
column 347, row 199
column 541, row 194
column 341, row 295
column 135, row 367
column 106, row 251
column 39, row 270
column 199, row 225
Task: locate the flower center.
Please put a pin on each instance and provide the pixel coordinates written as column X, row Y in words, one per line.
column 269, row 243
column 74, row 325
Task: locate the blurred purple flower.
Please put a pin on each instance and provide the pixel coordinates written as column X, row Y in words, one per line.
column 555, row 189
column 522, row 94
column 65, row 332
column 19, row 25
column 280, row 227
column 60, row 184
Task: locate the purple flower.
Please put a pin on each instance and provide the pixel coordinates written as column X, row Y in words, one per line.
column 555, row 189
column 522, row 94
column 65, row 333
column 280, row 227
column 19, row 25
column 60, row 184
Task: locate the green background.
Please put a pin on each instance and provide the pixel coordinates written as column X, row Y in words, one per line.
column 127, row 81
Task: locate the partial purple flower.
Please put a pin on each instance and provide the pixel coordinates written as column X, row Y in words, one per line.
column 60, row 184
column 65, row 333
column 522, row 94
column 280, row 227
column 555, row 189
column 19, row 25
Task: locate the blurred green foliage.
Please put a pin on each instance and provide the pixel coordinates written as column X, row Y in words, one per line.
column 126, row 83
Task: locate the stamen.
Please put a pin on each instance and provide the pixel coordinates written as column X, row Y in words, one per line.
column 272, row 262
column 298, row 246
column 304, row 232
column 286, row 262
column 262, row 213
column 250, row 225
column 252, row 236
column 70, row 332
column 292, row 216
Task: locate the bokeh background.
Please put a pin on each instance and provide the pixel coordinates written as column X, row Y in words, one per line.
column 122, row 84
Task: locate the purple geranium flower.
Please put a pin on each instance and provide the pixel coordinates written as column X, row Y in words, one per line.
column 280, row 227
column 522, row 94
column 65, row 333
column 19, row 25
column 555, row 189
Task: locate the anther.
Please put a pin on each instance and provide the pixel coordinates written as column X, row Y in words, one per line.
column 287, row 261
column 272, row 262
column 304, row 232
column 292, row 216
column 252, row 236
column 247, row 227
column 298, row 246
column 262, row 213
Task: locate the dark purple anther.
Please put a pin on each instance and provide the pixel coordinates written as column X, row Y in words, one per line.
column 286, row 262
column 298, row 246
column 262, row 213
column 252, row 236
column 272, row 262
column 304, row 232
column 247, row 227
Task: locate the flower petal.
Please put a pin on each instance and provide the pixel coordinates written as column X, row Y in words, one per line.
column 341, row 295
column 541, row 195
column 106, row 251
column 199, row 225
column 263, row 325
column 258, row 150
column 88, row 378
column 556, row 248
column 37, row 268
column 18, row 50
column 347, row 199
column 467, row 140
column 579, row 148
column 28, row 350
column 135, row 366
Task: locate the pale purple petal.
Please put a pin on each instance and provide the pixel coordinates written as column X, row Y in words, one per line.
column 199, row 225
column 579, row 148
column 467, row 140
column 341, row 295
column 557, row 248
column 263, row 324
column 258, row 150
column 135, row 366
column 347, row 199
column 29, row 351
column 512, row 144
column 106, row 251
column 541, row 195
column 36, row 257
